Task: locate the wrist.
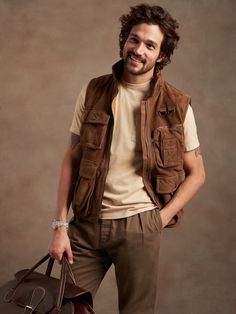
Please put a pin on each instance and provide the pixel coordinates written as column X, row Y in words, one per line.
column 60, row 232
column 59, row 225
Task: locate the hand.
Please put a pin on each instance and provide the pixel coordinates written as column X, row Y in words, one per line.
column 60, row 243
column 164, row 219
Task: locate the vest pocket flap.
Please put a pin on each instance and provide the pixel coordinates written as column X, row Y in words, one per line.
column 97, row 117
column 166, row 184
column 94, row 129
column 167, row 109
column 87, row 169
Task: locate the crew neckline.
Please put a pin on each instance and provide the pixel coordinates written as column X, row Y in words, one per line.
column 135, row 86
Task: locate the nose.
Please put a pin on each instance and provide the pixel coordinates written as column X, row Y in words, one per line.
column 139, row 49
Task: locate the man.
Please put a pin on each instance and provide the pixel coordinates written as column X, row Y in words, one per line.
column 133, row 136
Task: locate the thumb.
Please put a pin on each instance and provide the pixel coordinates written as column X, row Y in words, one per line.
column 69, row 255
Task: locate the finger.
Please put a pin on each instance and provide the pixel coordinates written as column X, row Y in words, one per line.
column 51, row 253
column 56, row 255
column 69, row 255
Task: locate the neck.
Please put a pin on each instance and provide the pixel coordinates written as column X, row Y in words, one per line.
column 137, row 79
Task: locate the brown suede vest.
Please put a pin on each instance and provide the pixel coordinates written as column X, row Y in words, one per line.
column 162, row 137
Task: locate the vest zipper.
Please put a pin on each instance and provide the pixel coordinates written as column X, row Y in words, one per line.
column 146, row 137
column 149, row 162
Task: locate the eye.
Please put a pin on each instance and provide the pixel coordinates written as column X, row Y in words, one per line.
column 150, row 46
column 133, row 40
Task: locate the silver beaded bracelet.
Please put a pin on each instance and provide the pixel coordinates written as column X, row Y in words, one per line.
column 58, row 223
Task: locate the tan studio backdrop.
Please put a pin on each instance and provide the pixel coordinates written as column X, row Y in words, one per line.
column 48, row 50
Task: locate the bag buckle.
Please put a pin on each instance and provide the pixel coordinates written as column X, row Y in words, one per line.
column 37, row 296
column 28, row 309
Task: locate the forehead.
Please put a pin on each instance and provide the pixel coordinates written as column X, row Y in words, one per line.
column 147, row 32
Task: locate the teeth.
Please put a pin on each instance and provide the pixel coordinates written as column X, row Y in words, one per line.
column 135, row 59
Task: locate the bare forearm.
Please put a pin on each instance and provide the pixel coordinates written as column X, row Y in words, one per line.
column 183, row 195
column 60, row 242
column 65, row 181
column 64, row 188
column 195, row 177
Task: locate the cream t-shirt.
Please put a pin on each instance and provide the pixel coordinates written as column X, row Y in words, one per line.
column 124, row 193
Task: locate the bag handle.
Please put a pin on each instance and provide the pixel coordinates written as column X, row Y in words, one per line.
column 62, row 283
column 65, row 268
column 50, row 266
column 29, row 272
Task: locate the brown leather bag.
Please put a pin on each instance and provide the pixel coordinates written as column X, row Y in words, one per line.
column 33, row 292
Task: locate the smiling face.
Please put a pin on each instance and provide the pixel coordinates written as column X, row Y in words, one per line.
column 141, row 52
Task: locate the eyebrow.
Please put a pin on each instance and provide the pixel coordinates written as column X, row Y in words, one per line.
column 149, row 41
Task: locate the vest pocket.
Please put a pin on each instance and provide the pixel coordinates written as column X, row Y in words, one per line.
column 165, row 187
column 94, row 128
column 168, row 145
column 84, row 187
column 166, row 184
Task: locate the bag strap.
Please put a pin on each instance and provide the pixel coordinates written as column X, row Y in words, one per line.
column 62, row 284
column 36, row 298
column 50, row 266
column 65, row 269
column 29, row 272
column 69, row 269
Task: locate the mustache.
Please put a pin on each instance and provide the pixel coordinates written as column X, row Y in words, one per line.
column 133, row 54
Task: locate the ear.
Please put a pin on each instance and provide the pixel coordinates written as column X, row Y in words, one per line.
column 160, row 57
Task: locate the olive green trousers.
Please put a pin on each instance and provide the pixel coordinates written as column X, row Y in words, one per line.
column 132, row 244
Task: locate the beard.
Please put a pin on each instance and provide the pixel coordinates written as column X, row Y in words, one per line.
column 142, row 65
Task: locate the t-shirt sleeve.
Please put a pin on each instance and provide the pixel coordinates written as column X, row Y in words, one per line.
column 78, row 113
column 190, row 131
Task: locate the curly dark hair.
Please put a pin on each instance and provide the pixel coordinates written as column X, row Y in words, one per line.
column 144, row 13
